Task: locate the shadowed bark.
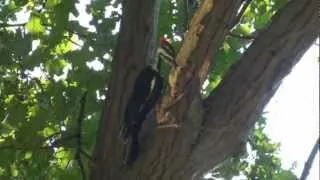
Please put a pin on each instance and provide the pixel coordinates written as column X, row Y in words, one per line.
column 193, row 134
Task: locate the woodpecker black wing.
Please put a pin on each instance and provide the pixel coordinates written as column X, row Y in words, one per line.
column 141, row 91
column 151, row 101
column 142, row 86
column 155, row 95
column 147, row 91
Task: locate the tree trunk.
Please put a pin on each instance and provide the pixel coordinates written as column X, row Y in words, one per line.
column 135, row 48
column 194, row 134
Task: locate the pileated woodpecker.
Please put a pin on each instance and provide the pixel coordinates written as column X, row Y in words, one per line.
column 147, row 90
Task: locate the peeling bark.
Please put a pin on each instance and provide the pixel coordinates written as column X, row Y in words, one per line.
column 194, row 135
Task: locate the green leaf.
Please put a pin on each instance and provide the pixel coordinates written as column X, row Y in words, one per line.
column 286, row 175
column 28, row 155
column 34, row 26
column 245, row 29
column 262, row 21
column 53, row 3
column 63, row 47
column 48, row 131
column 56, row 66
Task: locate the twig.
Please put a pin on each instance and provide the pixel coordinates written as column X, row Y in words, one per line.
column 75, row 43
column 83, row 173
column 243, row 37
column 86, row 155
column 310, row 160
column 4, row 25
column 68, row 164
column 246, row 3
column 187, row 12
column 91, row 162
column 17, row 148
column 79, row 139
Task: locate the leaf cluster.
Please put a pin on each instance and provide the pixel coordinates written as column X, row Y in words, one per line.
column 259, row 160
column 48, row 59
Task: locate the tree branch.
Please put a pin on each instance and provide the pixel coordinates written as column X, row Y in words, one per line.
column 237, row 102
column 79, row 135
column 4, row 25
column 244, row 6
column 212, row 129
column 242, row 37
column 310, row 160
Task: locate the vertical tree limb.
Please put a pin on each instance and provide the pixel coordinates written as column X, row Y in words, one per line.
column 135, row 49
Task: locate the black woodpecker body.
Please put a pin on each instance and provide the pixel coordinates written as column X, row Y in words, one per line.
column 147, row 90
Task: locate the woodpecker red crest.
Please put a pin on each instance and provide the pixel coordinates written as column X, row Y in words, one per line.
column 164, row 41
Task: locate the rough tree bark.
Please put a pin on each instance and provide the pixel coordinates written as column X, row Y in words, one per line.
column 194, row 134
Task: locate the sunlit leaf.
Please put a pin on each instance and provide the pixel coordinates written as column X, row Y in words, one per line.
column 28, row 155
column 52, row 3
column 262, row 21
column 34, row 25
column 245, row 29
column 48, row 131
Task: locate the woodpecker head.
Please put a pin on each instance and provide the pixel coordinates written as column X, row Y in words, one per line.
column 166, row 53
